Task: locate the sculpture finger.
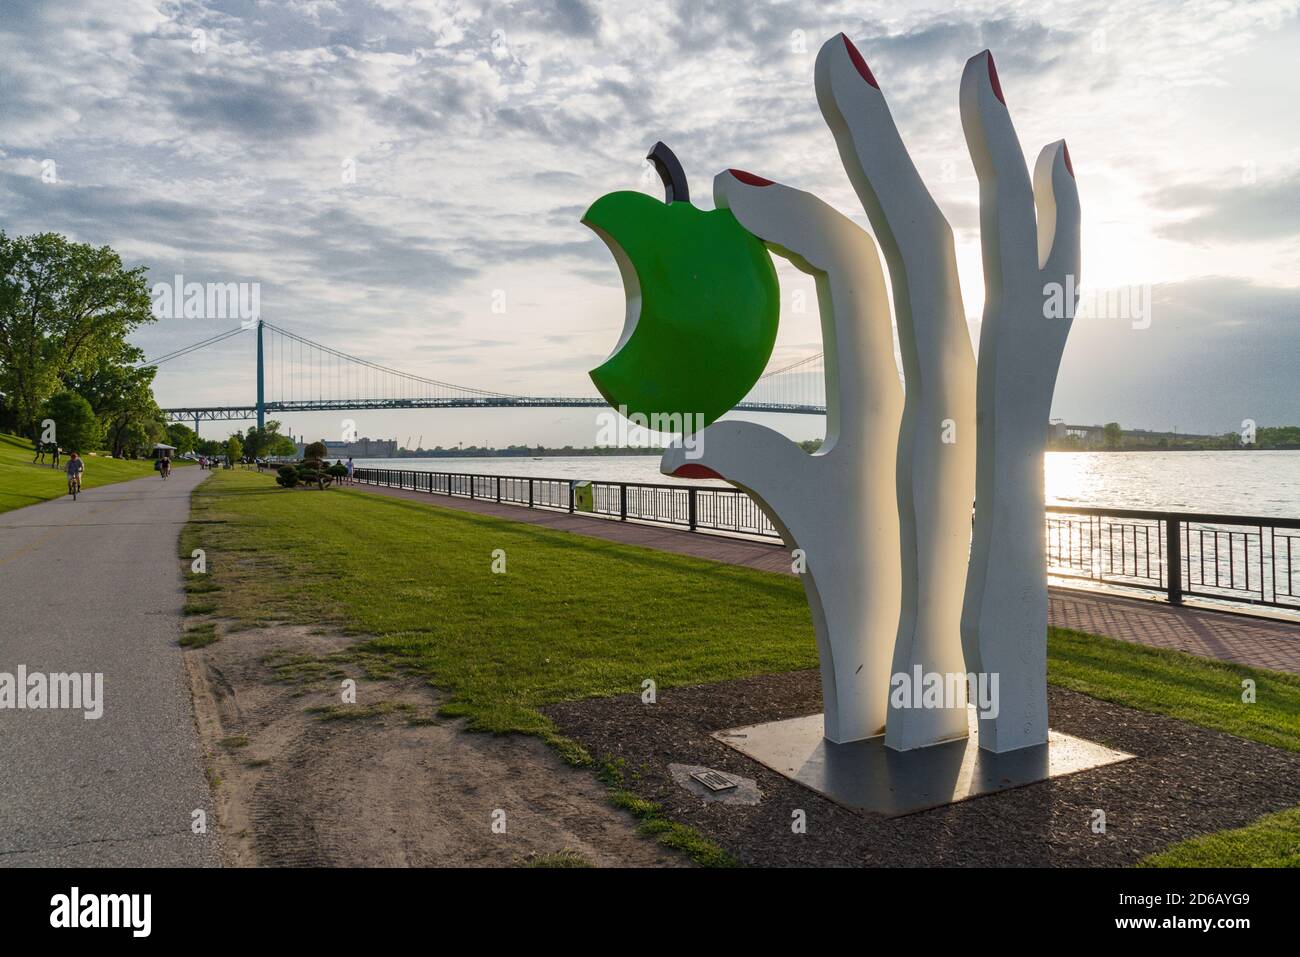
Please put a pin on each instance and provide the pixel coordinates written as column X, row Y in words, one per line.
column 813, row 235
column 1006, row 200
column 758, row 459
column 1056, row 195
column 862, row 388
column 903, row 214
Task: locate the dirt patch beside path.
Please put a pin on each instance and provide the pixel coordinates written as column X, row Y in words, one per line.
column 303, row 779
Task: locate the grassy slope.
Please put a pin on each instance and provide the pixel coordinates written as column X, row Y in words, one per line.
column 576, row 617
column 22, row 483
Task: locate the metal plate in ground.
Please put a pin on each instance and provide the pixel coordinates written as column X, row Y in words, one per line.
column 745, row 791
column 713, row 780
column 871, row 777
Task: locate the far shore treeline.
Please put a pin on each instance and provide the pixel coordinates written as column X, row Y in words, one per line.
column 66, row 310
column 1113, row 438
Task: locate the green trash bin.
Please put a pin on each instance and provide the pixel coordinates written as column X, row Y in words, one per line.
column 584, row 497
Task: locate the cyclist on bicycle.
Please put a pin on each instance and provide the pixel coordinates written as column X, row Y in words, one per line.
column 166, row 467
column 74, row 470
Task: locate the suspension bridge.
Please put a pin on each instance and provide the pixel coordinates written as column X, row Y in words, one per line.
column 297, row 374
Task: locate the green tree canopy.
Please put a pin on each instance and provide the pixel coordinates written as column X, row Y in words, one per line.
column 65, row 308
column 183, row 437
column 75, row 423
column 121, row 393
column 268, row 441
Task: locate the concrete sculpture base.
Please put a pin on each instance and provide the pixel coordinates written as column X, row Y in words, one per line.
column 866, row 775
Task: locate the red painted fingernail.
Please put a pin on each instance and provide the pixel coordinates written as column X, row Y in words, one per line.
column 749, row 178
column 993, row 78
column 1068, row 165
column 694, row 470
column 858, row 62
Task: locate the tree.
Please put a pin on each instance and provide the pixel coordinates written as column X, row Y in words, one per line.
column 1114, row 435
column 136, row 439
column 183, row 437
column 234, row 449
column 317, row 450
column 121, row 393
column 268, row 441
column 64, row 307
column 1277, row 436
column 75, row 424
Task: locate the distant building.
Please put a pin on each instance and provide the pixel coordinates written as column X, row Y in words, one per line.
column 360, row 449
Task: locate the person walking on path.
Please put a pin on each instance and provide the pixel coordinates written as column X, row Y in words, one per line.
column 351, row 469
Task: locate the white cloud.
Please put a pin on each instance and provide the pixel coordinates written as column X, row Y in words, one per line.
column 479, row 131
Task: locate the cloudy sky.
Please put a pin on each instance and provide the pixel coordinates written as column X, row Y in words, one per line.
column 389, row 170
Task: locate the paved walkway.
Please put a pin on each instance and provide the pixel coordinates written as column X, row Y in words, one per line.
column 94, row 586
column 1247, row 640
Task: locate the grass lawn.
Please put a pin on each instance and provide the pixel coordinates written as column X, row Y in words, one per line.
column 1272, row 841
column 575, row 617
column 1179, row 685
column 571, row 617
column 23, row 483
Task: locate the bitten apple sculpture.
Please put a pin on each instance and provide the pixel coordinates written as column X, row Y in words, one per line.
column 702, row 302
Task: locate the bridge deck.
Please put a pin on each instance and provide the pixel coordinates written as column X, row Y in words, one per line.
column 227, row 413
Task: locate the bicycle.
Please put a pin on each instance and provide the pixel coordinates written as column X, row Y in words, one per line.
column 74, row 485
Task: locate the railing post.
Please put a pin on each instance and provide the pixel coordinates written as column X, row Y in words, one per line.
column 471, row 487
column 1174, row 560
column 498, row 485
column 573, row 489
column 690, row 507
column 622, row 501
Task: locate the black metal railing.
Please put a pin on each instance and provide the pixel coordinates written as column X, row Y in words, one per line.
column 697, row 508
column 1232, row 558
column 1228, row 558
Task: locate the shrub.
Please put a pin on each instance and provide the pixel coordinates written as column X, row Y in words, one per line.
column 310, row 473
column 75, row 422
column 287, row 476
column 338, row 471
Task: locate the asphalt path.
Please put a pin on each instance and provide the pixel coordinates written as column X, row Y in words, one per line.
column 95, row 586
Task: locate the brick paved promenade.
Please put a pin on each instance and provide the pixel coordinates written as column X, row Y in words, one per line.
column 1248, row 640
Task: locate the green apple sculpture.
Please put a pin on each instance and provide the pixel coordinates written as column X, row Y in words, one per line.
column 702, row 303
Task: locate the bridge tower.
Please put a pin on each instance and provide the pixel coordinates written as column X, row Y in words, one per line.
column 261, row 387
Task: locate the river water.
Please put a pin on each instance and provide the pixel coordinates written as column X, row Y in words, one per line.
column 1235, row 483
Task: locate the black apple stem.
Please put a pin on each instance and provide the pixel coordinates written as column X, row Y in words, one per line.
column 671, row 172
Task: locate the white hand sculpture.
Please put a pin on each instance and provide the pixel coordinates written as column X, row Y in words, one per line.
column 1004, row 621
column 892, row 485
